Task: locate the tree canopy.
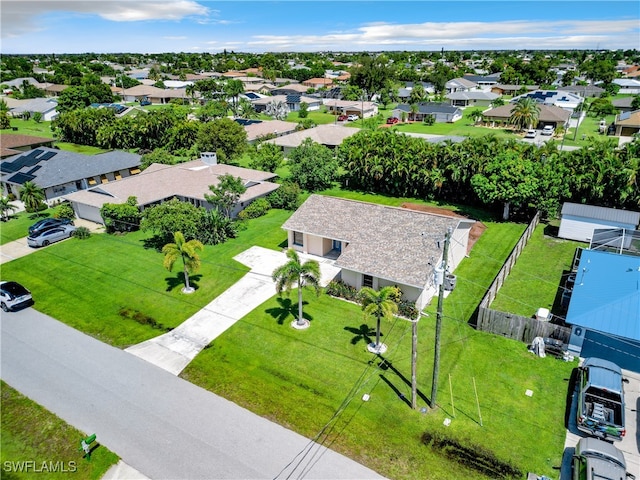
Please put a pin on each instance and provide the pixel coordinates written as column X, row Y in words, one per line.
column 313, row 166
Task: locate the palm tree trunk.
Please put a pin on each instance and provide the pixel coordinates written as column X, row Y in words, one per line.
column 186, row 278
column 378, row 333
column 300, row 319
column 505, row 211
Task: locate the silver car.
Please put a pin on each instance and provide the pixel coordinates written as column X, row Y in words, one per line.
column 14, row 296
column 51, row 235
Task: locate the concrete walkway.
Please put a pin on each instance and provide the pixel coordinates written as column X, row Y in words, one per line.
column 174, row 350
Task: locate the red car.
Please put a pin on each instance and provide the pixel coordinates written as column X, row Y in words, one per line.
column 392, row 120
column 342, row 118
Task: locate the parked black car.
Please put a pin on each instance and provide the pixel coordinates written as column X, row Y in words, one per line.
column 47, row 223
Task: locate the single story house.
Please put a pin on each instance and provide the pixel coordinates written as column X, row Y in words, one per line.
column 60, row 172
column 578, row 221
column 565, row 100
column 583, row 91
column 47, row 107
column 318, row 82
column 604, row 308
column 377, row 245
column 627, row 85
column 404, row 93
column 292, row 89
column 15, row 144
column 351, row 107
column 484, row 82
column 258, row 129
column 549, row 115
column 627, row 123
column 188, row 182
column 460, row 85
column 329, row 135
column 506, row 89
column 292, row 101
column 474, row 98
column 442, row 112
column 623, row 104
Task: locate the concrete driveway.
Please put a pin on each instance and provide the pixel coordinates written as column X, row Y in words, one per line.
column 174, row 350
column 19, row 248
column 629, row 445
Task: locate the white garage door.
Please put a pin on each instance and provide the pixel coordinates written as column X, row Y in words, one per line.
column 88, row 212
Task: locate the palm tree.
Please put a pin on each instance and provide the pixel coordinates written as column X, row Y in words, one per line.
column 188, row 252
column 6, row 207
column 32, row 196
column 302, row 274
column 380, row 304
column 525, row 113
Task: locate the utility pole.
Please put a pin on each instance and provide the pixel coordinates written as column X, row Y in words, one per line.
column 436, row 357
column 414, row 361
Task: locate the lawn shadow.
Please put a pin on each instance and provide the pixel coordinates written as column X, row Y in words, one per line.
column 39, row 215
column 571, row 402
column 386, row 365
column 156, row 242
column 284, row 244
column 178, row 281
column 287, row 308
column 363, row 332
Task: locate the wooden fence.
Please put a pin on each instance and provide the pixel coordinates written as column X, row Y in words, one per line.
column 524, row 329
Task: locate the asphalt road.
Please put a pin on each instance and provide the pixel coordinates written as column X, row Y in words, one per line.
column 161, row 425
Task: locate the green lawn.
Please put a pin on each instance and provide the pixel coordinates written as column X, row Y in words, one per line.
column 326, row 369
column 30, row 127
column 18, row 224
column 31, row 433
column 536, row 276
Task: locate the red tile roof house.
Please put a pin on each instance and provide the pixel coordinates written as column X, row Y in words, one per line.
column 377, row 245
column 186, row 181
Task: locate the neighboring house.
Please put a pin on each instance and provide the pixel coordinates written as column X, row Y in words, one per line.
column 153, row 94
column 292, row 101
column 404, row 93
column 549, row 115
column 474, row 98
column 484, row 82
column 45, row 106
column 188, row 182
column 442, row 112
column 258, row 129
column 351, row 107
column 565, row 100
column 60, row 172
column 460, row 85
column 318, row 82
column 578, row 221
column 503, row 89
column 15, row 144
column 328, row 135
column 627, row 123
column 628, row 86
column 583, row 91
column 53, row 90
column 604, row 308
column 377, row 245
column 623, row 104
column 293, row 89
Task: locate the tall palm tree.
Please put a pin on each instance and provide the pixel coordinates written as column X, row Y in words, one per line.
column 32, row 196
column 188, row 252
column 380, row 304
column 525, row 113
column 294, row 272
column 5, row 208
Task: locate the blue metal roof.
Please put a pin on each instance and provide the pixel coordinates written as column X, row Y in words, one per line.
column 606, row 294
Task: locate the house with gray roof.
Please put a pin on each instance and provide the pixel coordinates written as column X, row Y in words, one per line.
column 441, row 112
column 549, row 115
column 59, row 172
column 584, row 91
column 578, row 221
column 45, row 106
column 566, row 100
column 292, row 101
column 377, row 245
column 474, row 98
column 460, row 85
column 188, row 182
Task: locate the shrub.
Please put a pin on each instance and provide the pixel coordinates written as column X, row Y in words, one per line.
column 407, row 309
column 256, row 209
column 141, row 318
column 82, row 233
column 65, row 211
column 287, row 197
column 338, row 288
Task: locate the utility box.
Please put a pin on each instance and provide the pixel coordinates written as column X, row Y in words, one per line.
column 449, row 282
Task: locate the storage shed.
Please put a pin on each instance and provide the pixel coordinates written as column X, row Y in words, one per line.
column 578, row 221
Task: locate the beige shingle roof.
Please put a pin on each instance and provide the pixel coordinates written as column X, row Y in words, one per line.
column 329, row 135
column 159, row 182
column 384, row 242
column 277, row 127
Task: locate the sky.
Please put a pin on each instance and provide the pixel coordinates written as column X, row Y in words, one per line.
column 157, row 26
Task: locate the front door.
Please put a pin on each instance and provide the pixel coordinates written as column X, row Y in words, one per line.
column 337, row 245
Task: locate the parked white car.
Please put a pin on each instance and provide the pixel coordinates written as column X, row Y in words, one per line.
column 547, row 130
column 530, row 134
column 353, row 117
column 13, row 296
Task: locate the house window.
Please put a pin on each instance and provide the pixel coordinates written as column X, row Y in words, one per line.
column 298, row 239
column 133, row 171
column 367, row 281
column 103, row 179
column 92, row 181
column 118, row 176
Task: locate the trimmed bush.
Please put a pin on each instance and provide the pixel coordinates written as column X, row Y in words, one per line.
column 338, row 288
column 82, row 233
column 287, row 197
column 256, row 209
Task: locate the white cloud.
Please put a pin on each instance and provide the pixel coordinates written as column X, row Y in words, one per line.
column 20, row 17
